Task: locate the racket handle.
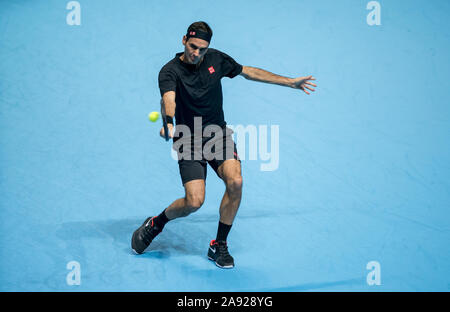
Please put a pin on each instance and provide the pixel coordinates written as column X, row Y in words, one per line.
column 166, row 129
column 164, row 120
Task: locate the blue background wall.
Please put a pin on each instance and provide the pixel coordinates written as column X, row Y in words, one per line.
column 364, row 161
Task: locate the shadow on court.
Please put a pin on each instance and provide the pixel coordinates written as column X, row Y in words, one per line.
column 180, row 237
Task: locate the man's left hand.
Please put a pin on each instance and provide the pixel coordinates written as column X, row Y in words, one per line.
column 303, row 84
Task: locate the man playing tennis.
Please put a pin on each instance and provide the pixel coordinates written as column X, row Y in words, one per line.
column 191, row 90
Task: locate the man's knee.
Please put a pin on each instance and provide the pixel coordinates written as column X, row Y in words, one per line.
column 195, row 196
column 234, row 184
column 194, row 202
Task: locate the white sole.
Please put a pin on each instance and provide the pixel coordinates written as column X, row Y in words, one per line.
column 222, row 267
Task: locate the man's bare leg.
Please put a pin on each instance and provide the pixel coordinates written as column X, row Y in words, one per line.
column 191, row 202
column 230, row 172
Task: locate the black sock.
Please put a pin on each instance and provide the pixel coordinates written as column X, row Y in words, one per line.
column 162, row 219
column 222, row 232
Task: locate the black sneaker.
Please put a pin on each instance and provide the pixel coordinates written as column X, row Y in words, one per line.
column 218, row 252
column 144, row 235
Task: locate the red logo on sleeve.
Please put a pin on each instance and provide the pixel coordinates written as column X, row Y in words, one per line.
column 211, row 70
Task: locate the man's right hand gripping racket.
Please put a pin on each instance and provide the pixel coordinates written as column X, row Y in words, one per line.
column 164, row 121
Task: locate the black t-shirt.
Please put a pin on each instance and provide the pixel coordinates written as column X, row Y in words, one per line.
column 198, row 88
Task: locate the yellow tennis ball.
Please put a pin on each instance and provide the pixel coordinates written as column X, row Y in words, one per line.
column 153, row 116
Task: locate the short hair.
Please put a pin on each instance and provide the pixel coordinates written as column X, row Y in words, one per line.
column 202, row 26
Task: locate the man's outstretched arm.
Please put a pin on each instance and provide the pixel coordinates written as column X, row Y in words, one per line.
column 261, row 75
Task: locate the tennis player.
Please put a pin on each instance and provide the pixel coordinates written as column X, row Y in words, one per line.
column 191, row 90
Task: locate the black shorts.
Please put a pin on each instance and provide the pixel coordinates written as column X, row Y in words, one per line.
column 194, row 157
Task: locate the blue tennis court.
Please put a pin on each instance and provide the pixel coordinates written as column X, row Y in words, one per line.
column 351, row 193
